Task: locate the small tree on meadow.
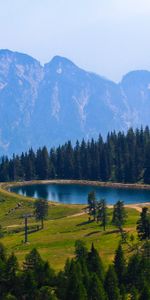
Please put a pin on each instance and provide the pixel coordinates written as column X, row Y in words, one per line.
column 41, row 210
column 92, row 204
column 102, row 214
column 119, row 215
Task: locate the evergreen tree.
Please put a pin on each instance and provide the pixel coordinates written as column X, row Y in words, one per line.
column 62, row 280
column 41, row 210
column 102, row 214
column 77, row 162
column 120, row 265
column 146, row 176
column 80, row 250
column 92, row 204
column 11, row 273
column 143, row 224
column 75, row 288
column 96, row 291
column 95, row 264
column 81, row 257
column 119, row 215
column 111, row 285
column 2, row 253
column 29, row 288
column 69, row 159
column 32, row 260
column 42, row 163
column 134, row 271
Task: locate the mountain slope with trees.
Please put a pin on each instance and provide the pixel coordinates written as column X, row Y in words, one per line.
column 50, row 104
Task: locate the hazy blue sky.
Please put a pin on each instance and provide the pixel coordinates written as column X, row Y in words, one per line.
column 109, row 37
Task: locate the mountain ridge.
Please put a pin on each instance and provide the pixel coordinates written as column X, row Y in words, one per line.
column 49, row 104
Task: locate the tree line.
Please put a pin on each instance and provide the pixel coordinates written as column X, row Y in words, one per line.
column 83, row 277
column 122, row 157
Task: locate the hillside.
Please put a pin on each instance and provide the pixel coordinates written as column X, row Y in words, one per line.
column 64, row 225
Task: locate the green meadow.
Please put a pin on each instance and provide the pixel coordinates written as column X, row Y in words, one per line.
column 63, row 226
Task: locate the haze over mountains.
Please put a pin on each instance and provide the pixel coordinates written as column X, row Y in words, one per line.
column 47, row 105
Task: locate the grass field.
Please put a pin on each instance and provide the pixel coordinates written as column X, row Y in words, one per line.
column 64, row 225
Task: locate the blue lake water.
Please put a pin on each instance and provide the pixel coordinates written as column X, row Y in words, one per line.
column 77, row 194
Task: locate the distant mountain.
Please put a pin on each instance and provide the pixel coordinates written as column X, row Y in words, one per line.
column 47, row 105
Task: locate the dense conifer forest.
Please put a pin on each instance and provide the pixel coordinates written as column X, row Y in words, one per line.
column 120, row 158
column 83, row 277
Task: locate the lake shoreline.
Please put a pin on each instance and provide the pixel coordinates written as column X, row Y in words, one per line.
column 138, row 206
column 116, row 185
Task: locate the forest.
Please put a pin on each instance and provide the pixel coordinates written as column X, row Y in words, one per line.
column 83, row 277
column 122, row 157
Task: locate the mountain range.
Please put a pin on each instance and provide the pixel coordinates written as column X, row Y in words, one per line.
column 50, row 104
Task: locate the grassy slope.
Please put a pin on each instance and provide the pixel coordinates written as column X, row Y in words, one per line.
column 56, row 241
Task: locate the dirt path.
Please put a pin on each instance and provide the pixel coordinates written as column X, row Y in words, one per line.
column 138, row 206
column 76, row 215
column 14, row 226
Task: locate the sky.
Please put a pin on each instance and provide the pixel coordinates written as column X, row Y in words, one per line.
column 108, row 37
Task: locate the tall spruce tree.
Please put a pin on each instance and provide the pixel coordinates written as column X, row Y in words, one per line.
column 96, row 290
column 95, row 264
column 143, row 224
column 119, row 215
column 120, row 264
column 102, row 214
column 111, row 285
column 75, row 287
column 92, row 204
column 41, row 210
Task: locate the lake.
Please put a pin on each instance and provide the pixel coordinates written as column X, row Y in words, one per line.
column 77, row 194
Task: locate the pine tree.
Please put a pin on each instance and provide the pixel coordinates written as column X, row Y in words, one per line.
column 96, row 291
column 102, row 214
column 77, row 162
column 119, row 215
column 41, row 210
column 111, row 285
column 120, row 265
column 95, row 264
column 3, row 256
column 146, row 176
column 143, row 224
column 75, row 287
column 92, row 204
column 32, row 260
column 29, row 288
column 11, row 273
column 81, row 257
column 69, row 159
column 134, row 271
column 80, row 250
